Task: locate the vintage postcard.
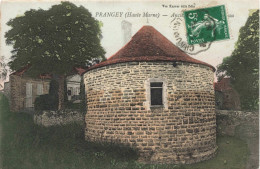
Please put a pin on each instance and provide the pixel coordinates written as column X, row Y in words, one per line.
column 129, row 84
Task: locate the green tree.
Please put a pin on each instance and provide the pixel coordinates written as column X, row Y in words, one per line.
column 3, row 71
column 243, row 64
column 54, row 41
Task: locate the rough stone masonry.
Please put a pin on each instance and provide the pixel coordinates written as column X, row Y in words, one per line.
column 119, row 109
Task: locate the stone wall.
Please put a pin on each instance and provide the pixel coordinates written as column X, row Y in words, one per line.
column 229, row 120
column 117, row 110
column 15, row 93
column 62, row 117
column 18, row 90
column 244, row 125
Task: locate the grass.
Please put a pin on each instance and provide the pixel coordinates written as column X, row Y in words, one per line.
column 25, row 145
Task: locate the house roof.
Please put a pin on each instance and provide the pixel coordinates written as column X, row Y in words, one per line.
column 149, row 45
column 223, row 84
column 20, row 72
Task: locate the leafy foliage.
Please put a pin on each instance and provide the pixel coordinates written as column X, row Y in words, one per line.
column 46, row 102
column 3, row 70
column 54, row 40
column 243, row 64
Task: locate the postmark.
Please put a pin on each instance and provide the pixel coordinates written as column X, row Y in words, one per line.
column 206, row 25
column 179, row 36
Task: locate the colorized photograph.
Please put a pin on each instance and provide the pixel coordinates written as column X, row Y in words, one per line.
column 129, row 85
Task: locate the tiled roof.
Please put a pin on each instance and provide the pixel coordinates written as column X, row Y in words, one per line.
column 149, row 45
column 20, row 72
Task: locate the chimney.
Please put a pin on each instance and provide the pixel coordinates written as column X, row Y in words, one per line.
column 127, row 31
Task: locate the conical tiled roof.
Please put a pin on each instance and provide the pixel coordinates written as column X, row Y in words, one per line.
column 149, row 45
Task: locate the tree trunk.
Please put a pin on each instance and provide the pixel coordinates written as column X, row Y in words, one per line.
column 61, row 92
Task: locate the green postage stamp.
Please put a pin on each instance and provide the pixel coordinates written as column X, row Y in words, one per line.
column 206, row 25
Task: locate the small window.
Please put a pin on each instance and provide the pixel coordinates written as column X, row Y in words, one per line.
column 156, row 93
column 69, row 92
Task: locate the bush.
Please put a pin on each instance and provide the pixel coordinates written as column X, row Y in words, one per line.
column 54, row 87
column 48, row 101
column 74, row 106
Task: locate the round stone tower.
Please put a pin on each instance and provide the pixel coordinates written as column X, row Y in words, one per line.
column 153, row 97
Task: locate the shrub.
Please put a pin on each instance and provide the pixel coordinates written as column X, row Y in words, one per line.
column 48, row 101
column 74, row 106
column 54, row 87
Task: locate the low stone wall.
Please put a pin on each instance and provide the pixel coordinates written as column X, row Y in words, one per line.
column 244, row 125
column 51, row 118
column 229, row 120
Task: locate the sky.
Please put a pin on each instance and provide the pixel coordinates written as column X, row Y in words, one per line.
column 237, row 11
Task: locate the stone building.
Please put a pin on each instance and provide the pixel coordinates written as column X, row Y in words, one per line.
column 24, row 89
column 152, row 96
column 226, row 97
column 73, row 87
